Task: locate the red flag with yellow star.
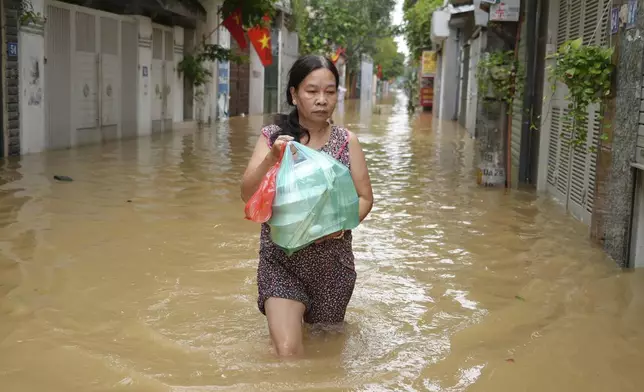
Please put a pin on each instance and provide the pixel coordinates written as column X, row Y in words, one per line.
column 260, row 37
column 336, row 55
column 234, row 24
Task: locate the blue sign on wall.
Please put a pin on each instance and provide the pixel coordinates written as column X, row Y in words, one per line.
column 12, row 49
column 632, row 14
column 223, row 87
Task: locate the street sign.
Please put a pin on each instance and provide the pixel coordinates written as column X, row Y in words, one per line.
column 428, row 63
column 427, row 92
column 505, row 11
column 12, row 49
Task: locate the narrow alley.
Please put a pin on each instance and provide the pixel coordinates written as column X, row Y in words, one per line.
column 140, row 274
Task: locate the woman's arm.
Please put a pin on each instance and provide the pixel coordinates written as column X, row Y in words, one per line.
column 360, row 175
column 260, row 162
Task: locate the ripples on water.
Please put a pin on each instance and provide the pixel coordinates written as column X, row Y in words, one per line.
column 140, row 275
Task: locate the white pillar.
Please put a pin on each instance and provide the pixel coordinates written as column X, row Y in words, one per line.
column 256, row 85
column 144, row 113
column 177, row 106
column 441, row 96
column 31, row 54
column 223, row 75
column 210, row 31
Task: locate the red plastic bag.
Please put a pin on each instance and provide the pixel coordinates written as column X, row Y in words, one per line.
column 259, row 208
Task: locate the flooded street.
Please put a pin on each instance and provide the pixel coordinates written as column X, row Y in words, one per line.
column 140, row 275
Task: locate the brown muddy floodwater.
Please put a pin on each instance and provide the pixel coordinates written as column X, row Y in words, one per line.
column 140, row 275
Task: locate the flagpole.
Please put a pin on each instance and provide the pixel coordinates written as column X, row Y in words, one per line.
column 205, row 37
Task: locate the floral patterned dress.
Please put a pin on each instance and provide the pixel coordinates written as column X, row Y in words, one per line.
column 321, row 276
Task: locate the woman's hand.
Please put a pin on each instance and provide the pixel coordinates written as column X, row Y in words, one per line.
column 264, row 157
column 275, row 154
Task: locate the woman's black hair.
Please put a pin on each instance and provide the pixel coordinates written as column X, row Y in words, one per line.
column 303, row 66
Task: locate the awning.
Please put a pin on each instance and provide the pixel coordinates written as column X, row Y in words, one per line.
column 184, row 13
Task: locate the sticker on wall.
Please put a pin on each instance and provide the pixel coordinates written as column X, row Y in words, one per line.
column 614, row 20
column 632, row 14
column 35, row 91
column 144, row 71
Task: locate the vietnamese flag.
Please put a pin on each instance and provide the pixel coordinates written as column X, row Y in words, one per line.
column 260, row 37
column 337, row 54
column 234, row 24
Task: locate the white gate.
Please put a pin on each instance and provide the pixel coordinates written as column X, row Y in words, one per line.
column 571, row 171
column 84, row 71
column 58, row 77
column 96, row 77
column 162, row 76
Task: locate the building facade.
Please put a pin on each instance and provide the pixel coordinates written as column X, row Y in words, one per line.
column 599, row 183
column 79, row 75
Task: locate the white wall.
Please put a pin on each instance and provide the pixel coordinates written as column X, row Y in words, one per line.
column 366, row 79
column 177, row 89
column 223, row 75
column 213, row 21
column 472, row 86
column 144, row 81
column 449, row 78
column 288, row 54
column 256, row 85
column 31, row 53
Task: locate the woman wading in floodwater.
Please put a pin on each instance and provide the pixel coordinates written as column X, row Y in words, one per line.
column 315, row 284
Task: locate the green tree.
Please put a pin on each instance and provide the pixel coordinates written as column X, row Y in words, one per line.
column 354, row 25
column 388, row 56
column 418, row 25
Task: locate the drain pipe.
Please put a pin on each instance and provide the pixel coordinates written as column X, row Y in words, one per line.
column 459, row 59
column 441, row 106
column 525, row 156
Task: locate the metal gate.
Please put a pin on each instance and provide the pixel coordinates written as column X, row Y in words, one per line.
column 162, row 75
column 571, row 171
column 88, row 52
column 239, row 84
column 516, row 122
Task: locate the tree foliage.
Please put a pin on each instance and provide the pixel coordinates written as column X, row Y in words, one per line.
column 388, row 56
column 355, row 25
column 27, row 15
column 587, row 72
column 418, row 24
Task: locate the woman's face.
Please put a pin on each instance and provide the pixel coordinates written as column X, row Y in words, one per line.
column 316, row 96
